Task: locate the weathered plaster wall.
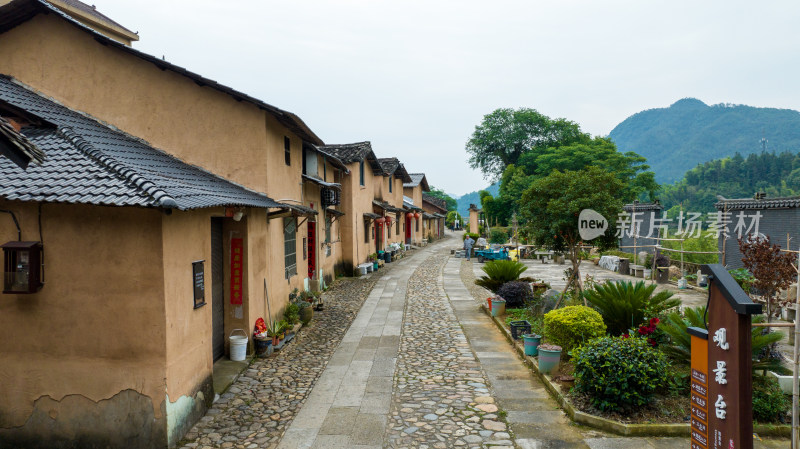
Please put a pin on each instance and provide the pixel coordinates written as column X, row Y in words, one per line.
column 356, row 200
column 396, row 199
column 92, row 341
column 168, row 110
column 189, row 364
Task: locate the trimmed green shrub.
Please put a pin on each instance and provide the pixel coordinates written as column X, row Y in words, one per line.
column 498, row 236
column 769, row 402
column 619, row 373
column 474, row 236
column 625, row 305
column 516, row 293
column 572, row 326
column 498, row 272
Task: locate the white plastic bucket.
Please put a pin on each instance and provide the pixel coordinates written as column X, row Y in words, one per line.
column 238, row 345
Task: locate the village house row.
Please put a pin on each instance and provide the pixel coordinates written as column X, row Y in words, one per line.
column 167, row 211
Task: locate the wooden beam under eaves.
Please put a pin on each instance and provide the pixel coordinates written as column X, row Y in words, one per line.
column 283, row 213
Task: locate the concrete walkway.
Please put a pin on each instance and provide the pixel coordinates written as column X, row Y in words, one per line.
column 533, row 416
column 349, row 404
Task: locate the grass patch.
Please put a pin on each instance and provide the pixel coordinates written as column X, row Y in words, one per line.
column 537, row 325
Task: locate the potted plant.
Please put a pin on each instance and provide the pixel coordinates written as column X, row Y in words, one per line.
column 549, row 358
column 273, row 331
column 531, row 344
column 261, row 341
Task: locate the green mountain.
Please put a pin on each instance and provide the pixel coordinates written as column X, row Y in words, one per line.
column 734, row 177
column 677, row 138
column 473, row 198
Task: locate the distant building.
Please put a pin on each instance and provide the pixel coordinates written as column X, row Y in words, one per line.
column 759, row 216
column 637, row 225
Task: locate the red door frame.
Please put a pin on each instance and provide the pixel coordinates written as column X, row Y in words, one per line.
column 312, row 248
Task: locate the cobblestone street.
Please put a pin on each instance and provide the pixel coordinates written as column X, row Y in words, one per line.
column 402, row 358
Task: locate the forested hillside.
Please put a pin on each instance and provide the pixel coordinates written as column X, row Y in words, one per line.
column 734, row 177
column 689, row 132
column 473, row 198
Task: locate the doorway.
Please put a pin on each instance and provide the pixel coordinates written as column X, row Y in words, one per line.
column 217, row 290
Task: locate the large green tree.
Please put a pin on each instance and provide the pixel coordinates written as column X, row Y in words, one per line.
column 550, row 209
column 506, row 134
column 629, row 168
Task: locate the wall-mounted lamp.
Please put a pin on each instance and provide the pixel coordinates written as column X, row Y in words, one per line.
column 238, row 214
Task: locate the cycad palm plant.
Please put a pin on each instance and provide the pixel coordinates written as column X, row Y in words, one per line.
column 624, row 305
column 679, row 349
column 498, row 272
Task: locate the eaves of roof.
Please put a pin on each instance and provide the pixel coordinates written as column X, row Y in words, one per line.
column 19, row 11
column 640, row 207
column 752, row 203
column 315, row 180
column 91, row 163
column 417, row 179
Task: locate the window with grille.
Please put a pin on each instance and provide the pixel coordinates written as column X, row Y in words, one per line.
column 361, row 172
column 290, row 246
column 390, row 183
column 366, row 231
column 397, row 224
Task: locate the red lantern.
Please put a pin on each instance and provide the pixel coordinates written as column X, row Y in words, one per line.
column 410, row 215
column 379, row 221
column 416, row 215
column 387, row 220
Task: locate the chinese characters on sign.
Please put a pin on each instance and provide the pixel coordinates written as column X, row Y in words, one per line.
column 237, row 269
column 699, row 389
column 199, row 283
column 720, row 339
column 689, row 225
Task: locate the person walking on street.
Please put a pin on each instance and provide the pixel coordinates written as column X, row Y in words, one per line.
column 468, row 242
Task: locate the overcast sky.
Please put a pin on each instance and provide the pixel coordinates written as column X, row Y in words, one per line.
column 416, row 77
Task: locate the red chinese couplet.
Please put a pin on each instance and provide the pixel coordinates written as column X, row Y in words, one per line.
column 237, row 269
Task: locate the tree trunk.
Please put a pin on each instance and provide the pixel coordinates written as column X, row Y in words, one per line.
column 575, row 258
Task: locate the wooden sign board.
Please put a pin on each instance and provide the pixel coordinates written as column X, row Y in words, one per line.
column 721, row 389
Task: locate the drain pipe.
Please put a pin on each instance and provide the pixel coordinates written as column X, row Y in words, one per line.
column 16, row 223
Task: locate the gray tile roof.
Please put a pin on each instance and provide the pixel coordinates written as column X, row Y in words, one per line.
column 349, row 152
column 416, row 179
column 91, row 11
column 353, row 152
column 392, row 166
column 19, row 11
column 434, row 201
column 92, row 163
column 639, row 207
column 761, row 204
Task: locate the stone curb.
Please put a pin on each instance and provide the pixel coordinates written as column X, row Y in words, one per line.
column 616, row 427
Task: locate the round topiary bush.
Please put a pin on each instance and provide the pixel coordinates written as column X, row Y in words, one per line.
column 516, row 294
column 619, row 373
column 569, row 327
